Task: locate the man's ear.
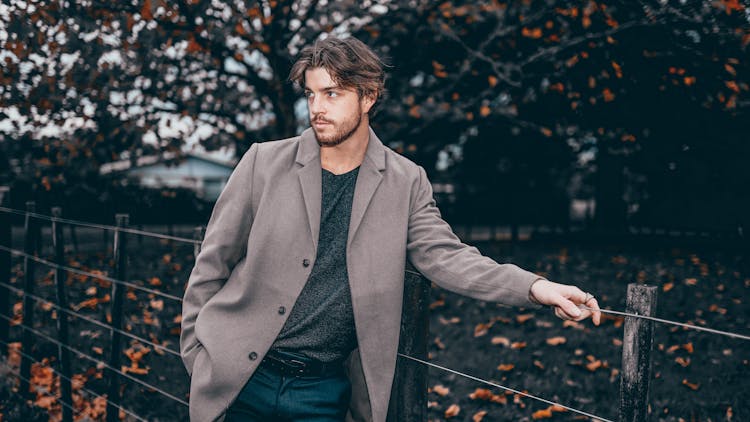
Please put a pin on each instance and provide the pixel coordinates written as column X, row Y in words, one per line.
column 367, row 101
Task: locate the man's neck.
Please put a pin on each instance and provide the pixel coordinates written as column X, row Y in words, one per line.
column 347, row 155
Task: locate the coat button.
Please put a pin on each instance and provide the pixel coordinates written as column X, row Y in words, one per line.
column 305, row 262
column 282, row 310
column 253, row 356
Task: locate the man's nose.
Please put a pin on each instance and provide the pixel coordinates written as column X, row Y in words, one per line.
column 316, row 106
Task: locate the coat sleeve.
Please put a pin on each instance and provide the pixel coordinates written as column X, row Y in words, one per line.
column 441, row 257
column 224, row 243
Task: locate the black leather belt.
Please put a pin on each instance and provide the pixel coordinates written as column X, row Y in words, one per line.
column 298, row 366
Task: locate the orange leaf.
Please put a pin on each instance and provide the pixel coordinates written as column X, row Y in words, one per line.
column 593, row 366
column 682, row 361
column 479, row 416
column 481, row 329
column 481, row 394
column 500, row 340
column 505, row 367
column 554, row 341
column 608, row 95
column 688, row 347
column 542, row 414
column 492, row 80
column 440, row 390
column 518, row 345
column 531, row 33
column 667, row 286
column 690, row 385
column 484, row 111
column 524, row 317
column 452, row 411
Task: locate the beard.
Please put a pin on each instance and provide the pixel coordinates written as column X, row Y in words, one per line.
column 341, row 132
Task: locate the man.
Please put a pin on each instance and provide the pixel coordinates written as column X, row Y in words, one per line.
column 293, row 308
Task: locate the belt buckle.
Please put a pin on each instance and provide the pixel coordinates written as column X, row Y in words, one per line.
column 297, row 366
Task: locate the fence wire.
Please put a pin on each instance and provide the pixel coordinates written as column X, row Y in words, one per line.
column 99, row 362
column 84, row 389
column 89, row 274
column 91, row 320
column 100, row 226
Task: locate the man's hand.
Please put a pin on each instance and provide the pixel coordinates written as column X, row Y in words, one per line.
column 565, row 300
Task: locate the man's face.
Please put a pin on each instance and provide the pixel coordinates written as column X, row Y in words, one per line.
column 335, row 112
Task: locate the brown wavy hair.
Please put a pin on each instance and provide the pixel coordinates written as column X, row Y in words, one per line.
column 350, row 62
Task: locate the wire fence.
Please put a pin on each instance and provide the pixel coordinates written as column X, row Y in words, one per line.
column 29, row 255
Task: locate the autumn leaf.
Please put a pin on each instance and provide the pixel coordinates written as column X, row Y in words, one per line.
column 531, row 32
column 518, row 345
column 555, row 341
column 492, row 80
column 481, row 394
column 452, row 411
column 524, row 317
column 691, row 386
column 481, row 329
column 440, row 390
column 500, row 340
column 479, row 416
column 667, row 286
column 506, row 367
column 682, row 361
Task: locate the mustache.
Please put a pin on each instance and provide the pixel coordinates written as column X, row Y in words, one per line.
column 319, row 120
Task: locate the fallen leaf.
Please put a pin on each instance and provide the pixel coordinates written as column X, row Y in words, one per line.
column 688, row 347
column 524, row 317
column 518, row 345
column 501, row 340
column 593, row 366
column 441, row 390
column 667, row 286
column 693, row 387
column 554, row 341
column 452, row 411
column 682, row 361
column 506, row 367
column 479, row 416
column 481, row 394
column 481, row 329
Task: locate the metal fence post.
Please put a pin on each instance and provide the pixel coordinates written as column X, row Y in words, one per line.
column 637, row 344
column 409, row 393
column 63, row 353
column 118, row 293
column 6, row 220
column 27, row 338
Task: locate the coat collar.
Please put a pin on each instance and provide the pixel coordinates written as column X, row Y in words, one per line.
column 368, row 179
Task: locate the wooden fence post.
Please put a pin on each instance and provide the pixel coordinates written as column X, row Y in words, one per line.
column 27, row 338
column 118, row 293
column 63, row 353
column 6, row 220
column 409, row 393
column 198, row 234
column 637, row 343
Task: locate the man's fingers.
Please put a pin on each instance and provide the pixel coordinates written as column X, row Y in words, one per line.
column 595, row 312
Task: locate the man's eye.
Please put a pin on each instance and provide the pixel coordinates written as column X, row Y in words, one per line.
column 333, row 94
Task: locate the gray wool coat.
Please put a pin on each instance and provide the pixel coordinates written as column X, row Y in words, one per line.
column 259, row 249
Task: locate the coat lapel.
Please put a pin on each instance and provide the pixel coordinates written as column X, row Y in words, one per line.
column 310, row 178
column 368, row 180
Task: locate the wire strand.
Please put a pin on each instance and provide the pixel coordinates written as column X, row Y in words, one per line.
column 504, row 388
column 88, row 274
column 31, row 358
column 91, row 320
column 666, row 321
column 72, row 349
column 101, row 226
